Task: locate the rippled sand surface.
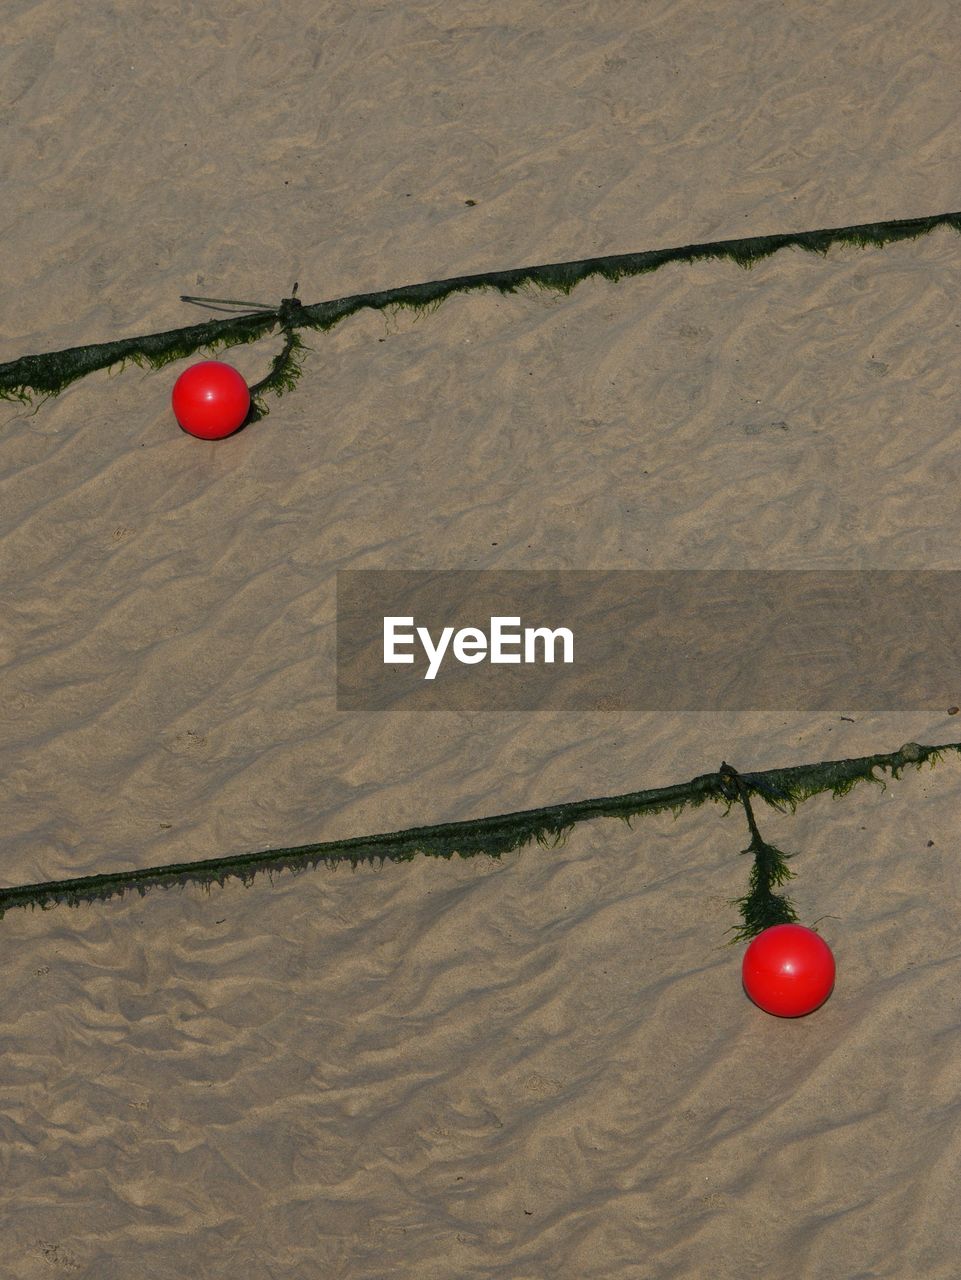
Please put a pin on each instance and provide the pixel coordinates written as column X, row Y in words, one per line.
column 543, row 1066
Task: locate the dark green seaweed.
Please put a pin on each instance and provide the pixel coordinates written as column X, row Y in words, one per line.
column 49, row 373
column 782, row 789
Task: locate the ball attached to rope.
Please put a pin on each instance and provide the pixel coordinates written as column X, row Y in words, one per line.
column 788, row 970
column 210, row 400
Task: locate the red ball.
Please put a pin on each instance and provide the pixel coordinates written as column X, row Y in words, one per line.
column 210, row 400
column 788, row 970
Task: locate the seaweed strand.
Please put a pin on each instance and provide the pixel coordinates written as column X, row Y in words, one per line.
column 504, row 833
column 51, row 372
column 760, row 907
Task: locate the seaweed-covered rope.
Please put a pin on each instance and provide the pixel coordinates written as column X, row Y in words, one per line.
column 49, row 373
column 782, row 789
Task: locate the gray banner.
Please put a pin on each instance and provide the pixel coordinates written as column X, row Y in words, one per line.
column 672, row 640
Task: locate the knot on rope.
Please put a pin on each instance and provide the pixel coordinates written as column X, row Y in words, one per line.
column 290, row 310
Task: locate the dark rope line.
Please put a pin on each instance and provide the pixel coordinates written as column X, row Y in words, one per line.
column 50, row 372
column 494, row 836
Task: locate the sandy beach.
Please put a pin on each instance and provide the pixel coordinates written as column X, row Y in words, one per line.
column 543, row 1066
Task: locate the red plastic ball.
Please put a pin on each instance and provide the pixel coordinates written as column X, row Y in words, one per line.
column 210, row 400
column 788, row 970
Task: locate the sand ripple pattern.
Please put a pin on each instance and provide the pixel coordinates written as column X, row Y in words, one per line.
column 543, row 1067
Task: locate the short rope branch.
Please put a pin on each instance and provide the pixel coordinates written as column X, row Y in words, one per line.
column 760, row 907
column 285, row 370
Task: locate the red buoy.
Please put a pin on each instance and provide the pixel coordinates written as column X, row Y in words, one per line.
column 210, row 400
column 788, row 970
